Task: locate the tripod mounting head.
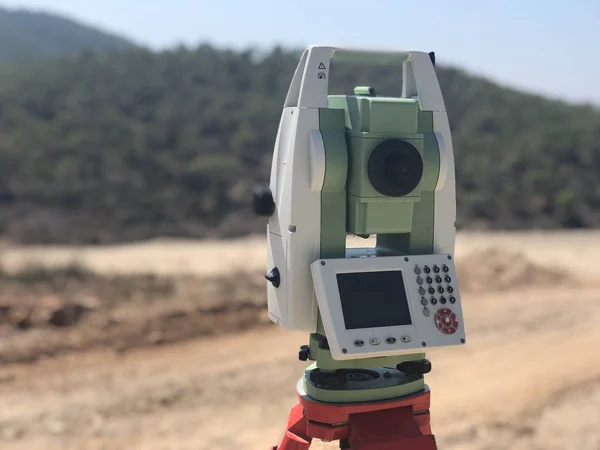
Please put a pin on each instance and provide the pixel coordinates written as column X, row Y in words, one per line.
column 363, row 164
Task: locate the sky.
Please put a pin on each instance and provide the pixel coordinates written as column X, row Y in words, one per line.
column 545, row 46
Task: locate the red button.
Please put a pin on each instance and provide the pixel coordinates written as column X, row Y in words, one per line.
column 446, row 321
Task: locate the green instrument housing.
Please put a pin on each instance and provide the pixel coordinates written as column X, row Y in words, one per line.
column 351, row 128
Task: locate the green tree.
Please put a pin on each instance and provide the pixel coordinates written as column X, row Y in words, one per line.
column 104, row 147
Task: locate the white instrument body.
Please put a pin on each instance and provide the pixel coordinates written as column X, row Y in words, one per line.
column 297, row 173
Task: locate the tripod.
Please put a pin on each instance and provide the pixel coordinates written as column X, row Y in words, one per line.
column 395, row 424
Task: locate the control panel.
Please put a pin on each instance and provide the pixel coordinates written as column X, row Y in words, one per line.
column 388, row 305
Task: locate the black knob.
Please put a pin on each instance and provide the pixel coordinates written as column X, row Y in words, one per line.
column 273, row 277
column 432, row 58
column 415, row 367
column 304, row 353
column 263, row 201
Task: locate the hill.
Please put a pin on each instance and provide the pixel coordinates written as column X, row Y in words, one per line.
column 26, row 35
column 131, row 145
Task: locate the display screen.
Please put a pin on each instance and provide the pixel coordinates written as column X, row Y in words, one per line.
column 373, row 299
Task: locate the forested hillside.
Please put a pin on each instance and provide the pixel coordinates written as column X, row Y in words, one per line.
column 104, row 148
column 26, row 35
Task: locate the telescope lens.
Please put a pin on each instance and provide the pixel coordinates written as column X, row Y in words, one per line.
column 395, row 168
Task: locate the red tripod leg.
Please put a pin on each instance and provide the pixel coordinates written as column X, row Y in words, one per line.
column 295, row 437
column 397, row 424
column 391, row 429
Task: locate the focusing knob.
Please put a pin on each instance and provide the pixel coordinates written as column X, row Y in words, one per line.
column 263, row 201
column 415, row 367
column 304, row 353
column 273, row 277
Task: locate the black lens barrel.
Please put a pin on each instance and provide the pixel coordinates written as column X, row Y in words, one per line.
column 395, row 168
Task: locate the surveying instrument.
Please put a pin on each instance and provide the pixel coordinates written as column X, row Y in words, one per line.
column 363, row 165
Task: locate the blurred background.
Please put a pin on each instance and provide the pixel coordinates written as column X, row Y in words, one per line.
column 132, row 298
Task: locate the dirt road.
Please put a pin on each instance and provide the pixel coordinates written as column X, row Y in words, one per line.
column 571, row 250
column 529, row 378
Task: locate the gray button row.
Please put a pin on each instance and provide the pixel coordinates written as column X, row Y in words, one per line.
column 375, row 341
column 428, row 269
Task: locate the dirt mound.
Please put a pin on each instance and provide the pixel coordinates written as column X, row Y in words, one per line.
column 46, row 312
column 500, row 270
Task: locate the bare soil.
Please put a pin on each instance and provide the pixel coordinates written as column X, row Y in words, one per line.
column 134, row 357
column 48, row 313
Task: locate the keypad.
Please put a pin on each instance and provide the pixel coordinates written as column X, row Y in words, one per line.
column 435, row 281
